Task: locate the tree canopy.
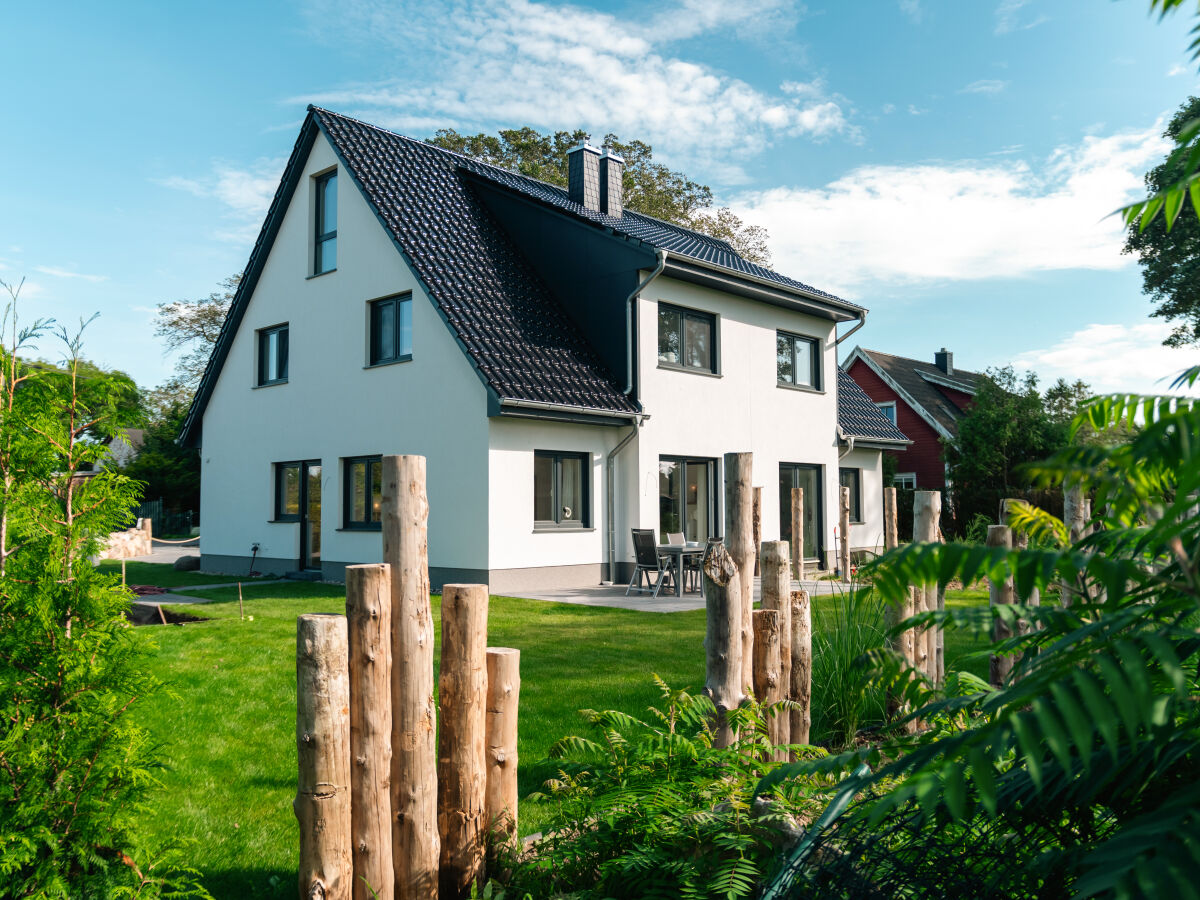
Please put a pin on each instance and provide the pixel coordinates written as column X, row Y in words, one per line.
column 192, row 326
column 650, row 187
column 1170, row 259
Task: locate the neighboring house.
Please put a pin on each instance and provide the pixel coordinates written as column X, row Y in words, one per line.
column 570, row 370
column 924, row 400
column 123, row 449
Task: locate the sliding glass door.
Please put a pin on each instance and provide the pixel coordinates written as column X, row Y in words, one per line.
column 808, row 477
column 685, row 497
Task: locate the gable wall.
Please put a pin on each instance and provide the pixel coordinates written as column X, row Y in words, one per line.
column 333, row 407
column 924, row 455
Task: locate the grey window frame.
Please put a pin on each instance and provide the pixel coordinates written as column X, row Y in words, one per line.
column 396, row 300
column 558, row 523
column 279, row 468
column 263, row 338
column 855, row 493
column 685, row 313
column 906, row 476
column 322, row 237
column 882, row 407
column 818, row 381
column 348, row 522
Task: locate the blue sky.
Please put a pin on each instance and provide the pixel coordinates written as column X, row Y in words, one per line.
column 948, row 165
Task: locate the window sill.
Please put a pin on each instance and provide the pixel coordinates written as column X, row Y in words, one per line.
column 319, row 274
column 267, row 384
column 364, row 529
column 798, row 387
column 294, row 521
column 407, row 357
column 561, row 529
column 670, row 367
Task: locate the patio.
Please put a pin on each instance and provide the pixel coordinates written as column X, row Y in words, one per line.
column 614, row 596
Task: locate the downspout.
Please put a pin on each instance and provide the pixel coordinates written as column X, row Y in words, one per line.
column 849, row 441
column 629, row 301
column 612, row 500
column 862, row 320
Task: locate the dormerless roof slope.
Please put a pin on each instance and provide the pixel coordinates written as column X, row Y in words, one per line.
column 860, row 417
column 914, row 376
column 517, row 336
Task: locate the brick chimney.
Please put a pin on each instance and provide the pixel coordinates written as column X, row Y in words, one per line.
column 944, row 360
column 583, row 175
column 612, row 188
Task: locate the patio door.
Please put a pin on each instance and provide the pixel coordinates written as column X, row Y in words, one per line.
column 686, row 497
column 310, row 515
column 808, row 477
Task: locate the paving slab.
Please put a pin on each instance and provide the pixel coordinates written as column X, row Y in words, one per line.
column 613, row 596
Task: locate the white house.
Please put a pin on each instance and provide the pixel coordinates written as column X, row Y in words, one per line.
column 570, row 369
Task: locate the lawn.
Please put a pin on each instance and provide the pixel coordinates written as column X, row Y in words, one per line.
column 166, row 576
column 227, row 721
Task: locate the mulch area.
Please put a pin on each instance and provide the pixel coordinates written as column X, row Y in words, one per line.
column 146, row 590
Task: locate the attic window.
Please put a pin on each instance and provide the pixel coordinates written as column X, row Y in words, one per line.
column 889, row 410
column 325, row 239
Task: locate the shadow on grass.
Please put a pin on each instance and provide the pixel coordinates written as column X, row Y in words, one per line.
column 252, row 884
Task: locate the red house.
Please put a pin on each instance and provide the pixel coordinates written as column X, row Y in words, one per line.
column 924, row 400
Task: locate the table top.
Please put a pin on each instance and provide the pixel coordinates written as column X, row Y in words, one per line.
column 690, row 545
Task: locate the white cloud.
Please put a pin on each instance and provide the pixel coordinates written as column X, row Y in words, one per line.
column 1009, row 18
column 912, row 9
column 946, row 221
column 1113, row 358
column 1177, row 69
column 66, row 273
column 914, row 110
column 984, row 86
column 245, row 193
column 519, row 62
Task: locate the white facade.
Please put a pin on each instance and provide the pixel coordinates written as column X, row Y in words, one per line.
column 334, row 406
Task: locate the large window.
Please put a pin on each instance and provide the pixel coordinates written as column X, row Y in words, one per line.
column 273, row 355
column 391, row 330
column 325, row 239
column 687, row 339
column 807, row 478
column 362, row 492
column 686, row 498
column 852, row 478
column 561, row 489
column 797, row 360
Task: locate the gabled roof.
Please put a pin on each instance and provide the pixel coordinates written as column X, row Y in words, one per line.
column 859, row 417
column 920, row 385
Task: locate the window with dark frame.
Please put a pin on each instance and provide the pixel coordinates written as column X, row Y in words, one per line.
column 362, row 492
column 273, row 355
column 391, row 330
column 852, row 478
column 287, row 492
column 561, row 495
column 797, row 360
column 687, row 339
column 325, row 239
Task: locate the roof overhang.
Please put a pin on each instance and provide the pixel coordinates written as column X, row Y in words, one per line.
column 862, row 443
column 945, row 381
column 718, row 277
column 512, row 408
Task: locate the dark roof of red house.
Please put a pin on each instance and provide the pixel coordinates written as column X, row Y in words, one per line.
column 926, row 384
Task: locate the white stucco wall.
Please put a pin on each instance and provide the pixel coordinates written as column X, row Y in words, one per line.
column 869, row 534
column 332, row 407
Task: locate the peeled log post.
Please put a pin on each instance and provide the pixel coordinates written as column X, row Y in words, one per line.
column 776, row 595
column 927, row 511
column 503, row 696
column 891, row 523
column 844, row 530
column 369, row 628
column 322, row 802
column 723, row 640
column 768, row 686
column 801, row 692
column 739, row 541
column 798, row 532
column 757, row 529
column 1020, row 542
column 462, row 758
column 1000, row 592
column 405, row 515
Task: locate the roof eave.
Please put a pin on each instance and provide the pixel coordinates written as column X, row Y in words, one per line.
column 723, row 278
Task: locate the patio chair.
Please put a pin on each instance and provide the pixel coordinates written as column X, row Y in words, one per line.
column 693, row 566
column 647, row 559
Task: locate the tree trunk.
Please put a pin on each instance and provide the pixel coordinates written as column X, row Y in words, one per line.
column 798, row 532
column 405, row 515
column 462, row 757
column 927, row 511
column 723, row 640
column 739, row 540
column 503, row 696
column 844, row 530
column 776, row 595
column 369, row 627
column 323, row 749
column 801, row 719
column 757, row 529
column 768, row 684
column 1000, row 592
column 891, row 524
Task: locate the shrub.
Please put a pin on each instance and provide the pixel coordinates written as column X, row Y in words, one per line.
column 846, row 627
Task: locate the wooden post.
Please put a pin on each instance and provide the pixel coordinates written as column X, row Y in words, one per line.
column 369, row 624
column 1000, row 592
column 322, row 803
column 757, row 529
column 723, row 639
column 462, row 760
column 1074, row 517
column 768, row 685
column 241, row 610
column 776, row 595
column 891, row 522
column 798, row 532
column 405, row 515
column 927, row 511
column 739, row 541
column 801, row 719
column 122, row 571
column 1020, row 542
column 503, row 696
column 844, row 528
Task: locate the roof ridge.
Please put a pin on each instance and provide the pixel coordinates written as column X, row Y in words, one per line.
column 921, row 362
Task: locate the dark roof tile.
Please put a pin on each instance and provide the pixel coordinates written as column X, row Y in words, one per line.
column 858, row 415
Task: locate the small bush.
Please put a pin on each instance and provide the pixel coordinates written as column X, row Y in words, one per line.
column 846, row 628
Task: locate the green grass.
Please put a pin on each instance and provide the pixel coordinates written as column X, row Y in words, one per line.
column 227, row 722
column 165, row 575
